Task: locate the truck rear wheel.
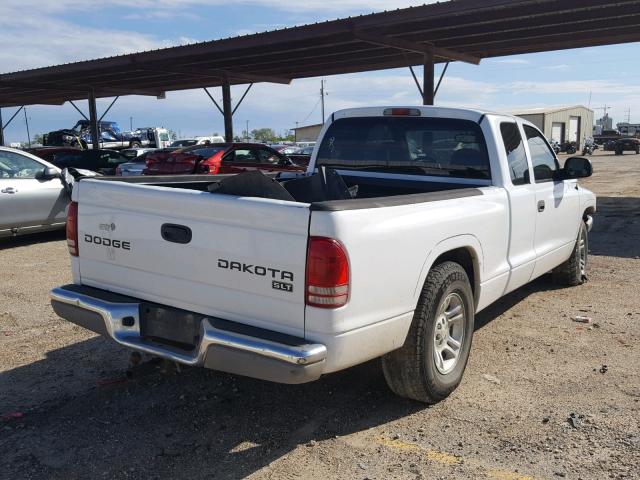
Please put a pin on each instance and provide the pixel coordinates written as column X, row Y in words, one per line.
column 574, row 271
column 430, row 364
column 135, row 144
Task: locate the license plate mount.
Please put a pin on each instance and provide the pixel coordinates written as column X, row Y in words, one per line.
column 170, row 326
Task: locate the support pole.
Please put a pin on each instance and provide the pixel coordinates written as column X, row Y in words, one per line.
column 109, row 108
column 1, row 130
column 227, row 110
column 322, row 98
column 242, row 98
column 213, row 100
column 93, row 120
column 444, row 71
column 428, row 80
column 26, row 122
column 79, row 111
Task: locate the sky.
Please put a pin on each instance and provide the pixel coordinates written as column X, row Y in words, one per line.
column 60, row 31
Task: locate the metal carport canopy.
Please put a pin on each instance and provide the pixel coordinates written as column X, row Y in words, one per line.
column 457, row 30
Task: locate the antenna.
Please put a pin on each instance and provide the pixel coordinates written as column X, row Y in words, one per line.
column 605, row 108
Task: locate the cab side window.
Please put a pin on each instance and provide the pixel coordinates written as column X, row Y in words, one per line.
column 268, row 156
column 545, row 165
column 242, row 156
column 516, row 154
column 14, row 165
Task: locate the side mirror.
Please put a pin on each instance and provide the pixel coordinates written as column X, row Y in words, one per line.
column 47, row 173
column 577, row 167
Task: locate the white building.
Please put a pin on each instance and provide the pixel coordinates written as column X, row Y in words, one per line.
column 307, row 133
column 630, row 129
column 562, row 124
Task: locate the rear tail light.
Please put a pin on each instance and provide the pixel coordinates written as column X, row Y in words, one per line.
column 118, row 171
column 327, row 283
column 210, row 168
column 72, row 229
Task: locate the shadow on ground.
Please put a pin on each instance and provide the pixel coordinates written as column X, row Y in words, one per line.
column 32, row 239
column 616, row 230
column 89, row 419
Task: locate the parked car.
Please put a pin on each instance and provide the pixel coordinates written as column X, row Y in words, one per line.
column 100, row 161
column 387, row 247
column 135, row 166
column 32, row 196
column 190, row 142
column 609, row 145
column 221, row 158
column 132, row 153
column 627, row 145
column 285, row 149
column 302, row 156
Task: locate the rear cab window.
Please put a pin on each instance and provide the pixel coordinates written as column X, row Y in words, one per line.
column 516, row 154
column 440, row 147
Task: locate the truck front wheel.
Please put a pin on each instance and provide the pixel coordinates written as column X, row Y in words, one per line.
column 430, row 364
column 574, row 271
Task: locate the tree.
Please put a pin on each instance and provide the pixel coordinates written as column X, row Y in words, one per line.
column 173, row 135
column 263, row 134
column 38, row 139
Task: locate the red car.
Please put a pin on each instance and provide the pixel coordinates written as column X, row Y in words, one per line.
column 220, row 158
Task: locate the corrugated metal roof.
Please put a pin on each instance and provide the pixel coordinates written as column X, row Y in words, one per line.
column 468, row 29
column 545, row 110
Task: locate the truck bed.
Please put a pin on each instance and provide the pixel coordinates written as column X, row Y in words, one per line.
column 372, row 192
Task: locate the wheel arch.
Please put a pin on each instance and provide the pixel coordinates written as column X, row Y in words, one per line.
column 590, row 210
column 462, row 249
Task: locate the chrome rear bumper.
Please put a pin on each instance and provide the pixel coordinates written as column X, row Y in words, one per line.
column 223, row 345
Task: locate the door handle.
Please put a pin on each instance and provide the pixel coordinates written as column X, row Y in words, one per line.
column 9, row 190
column 176, row 233
column 541, row 206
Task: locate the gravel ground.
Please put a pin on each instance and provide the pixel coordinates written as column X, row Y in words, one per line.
column 543, row 396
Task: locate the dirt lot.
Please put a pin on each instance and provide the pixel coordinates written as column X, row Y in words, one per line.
column 543, row 396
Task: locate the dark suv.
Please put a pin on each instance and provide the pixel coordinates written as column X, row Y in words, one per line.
column 627, row 145
column 101, row 161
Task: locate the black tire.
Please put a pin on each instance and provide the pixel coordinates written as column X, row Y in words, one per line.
column 135, row 145
column 573, row 272
column 411, row 371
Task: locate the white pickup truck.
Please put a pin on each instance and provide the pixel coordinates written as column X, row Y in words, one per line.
column 407, row 222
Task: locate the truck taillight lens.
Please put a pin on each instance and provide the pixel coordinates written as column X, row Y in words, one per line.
column 327, row 284
column 72, row 229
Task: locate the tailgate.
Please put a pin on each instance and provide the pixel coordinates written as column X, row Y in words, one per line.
column 237, row 258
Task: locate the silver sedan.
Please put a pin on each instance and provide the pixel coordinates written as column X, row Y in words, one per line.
column 32, row 195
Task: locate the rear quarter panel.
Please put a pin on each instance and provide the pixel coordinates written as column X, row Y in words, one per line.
column 391, row 250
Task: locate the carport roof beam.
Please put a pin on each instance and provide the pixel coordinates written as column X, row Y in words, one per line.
column 408, row 46
column 460, row 30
